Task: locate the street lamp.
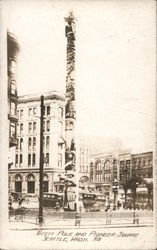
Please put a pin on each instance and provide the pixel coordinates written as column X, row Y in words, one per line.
column 41, row 164
column 115, row 192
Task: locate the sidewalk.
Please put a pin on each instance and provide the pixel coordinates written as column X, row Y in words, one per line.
column 53, row 223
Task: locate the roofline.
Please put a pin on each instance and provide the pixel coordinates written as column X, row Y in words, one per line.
column 37, row 97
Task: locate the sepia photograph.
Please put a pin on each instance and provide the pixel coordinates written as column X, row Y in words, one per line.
column 78, row 124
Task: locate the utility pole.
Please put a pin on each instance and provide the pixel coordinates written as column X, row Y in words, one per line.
column 41, row 164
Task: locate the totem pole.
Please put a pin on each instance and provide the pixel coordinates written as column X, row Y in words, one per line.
column 70, row 151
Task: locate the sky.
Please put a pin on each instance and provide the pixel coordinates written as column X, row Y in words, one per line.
column 115, row 62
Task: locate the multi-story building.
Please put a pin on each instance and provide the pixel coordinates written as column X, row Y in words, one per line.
column 122, row 167
column 142, row 165
column 12, row 54
column 24, row 174
column 91, row 147
column 103, row 170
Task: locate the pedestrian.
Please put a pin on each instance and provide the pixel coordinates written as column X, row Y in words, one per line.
column 135, row 218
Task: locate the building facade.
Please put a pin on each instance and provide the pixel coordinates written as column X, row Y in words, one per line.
column 90, row 149
column 105, row 170
column 24, row 173
column 12, row 54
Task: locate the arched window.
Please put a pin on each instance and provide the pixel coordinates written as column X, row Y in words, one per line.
column 98, row 166
column 30, row 184
column 18, row 183
column 107, row 165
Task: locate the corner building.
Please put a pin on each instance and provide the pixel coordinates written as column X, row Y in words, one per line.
column 24, row 174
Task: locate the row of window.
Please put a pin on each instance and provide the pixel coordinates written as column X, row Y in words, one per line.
column 32, row 142
column 32, row 159
column 30, row 186
column 107, row 166
column 33, row 111
column 83, row 168
column 32, row 127
column 99, row 177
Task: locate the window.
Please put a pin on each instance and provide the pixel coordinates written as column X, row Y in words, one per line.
column 21, row 113
column 60, row 112
column 18, row 114
column 98, row 166
column 29, row 143
column 48, row 126
column 34, row 111
column 30, row 112
column 21, row 128
column 31, row 184
column 13, row 108
column 16, row 159
column 47, row 158
column 33, row 159
column 43, row 126
column 12, row 130
column 107, row 165
column 13, row 88
column 12, row 66
column 107, row 177
column 21, row 143
column 21, row 159
column 29, row 159
column 17, row 144
column 34, row 142
column 34, row 127
column 59, row 160
column 48, row 110
column 44, row 110
column 47, row 141
column 43, row 141
column 29, row 127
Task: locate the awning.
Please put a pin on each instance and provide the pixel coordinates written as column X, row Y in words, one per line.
column 141, row 190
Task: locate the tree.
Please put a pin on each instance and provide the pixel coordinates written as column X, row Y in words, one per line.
column 149, row 186
column 132, row 184
column 125, row 188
